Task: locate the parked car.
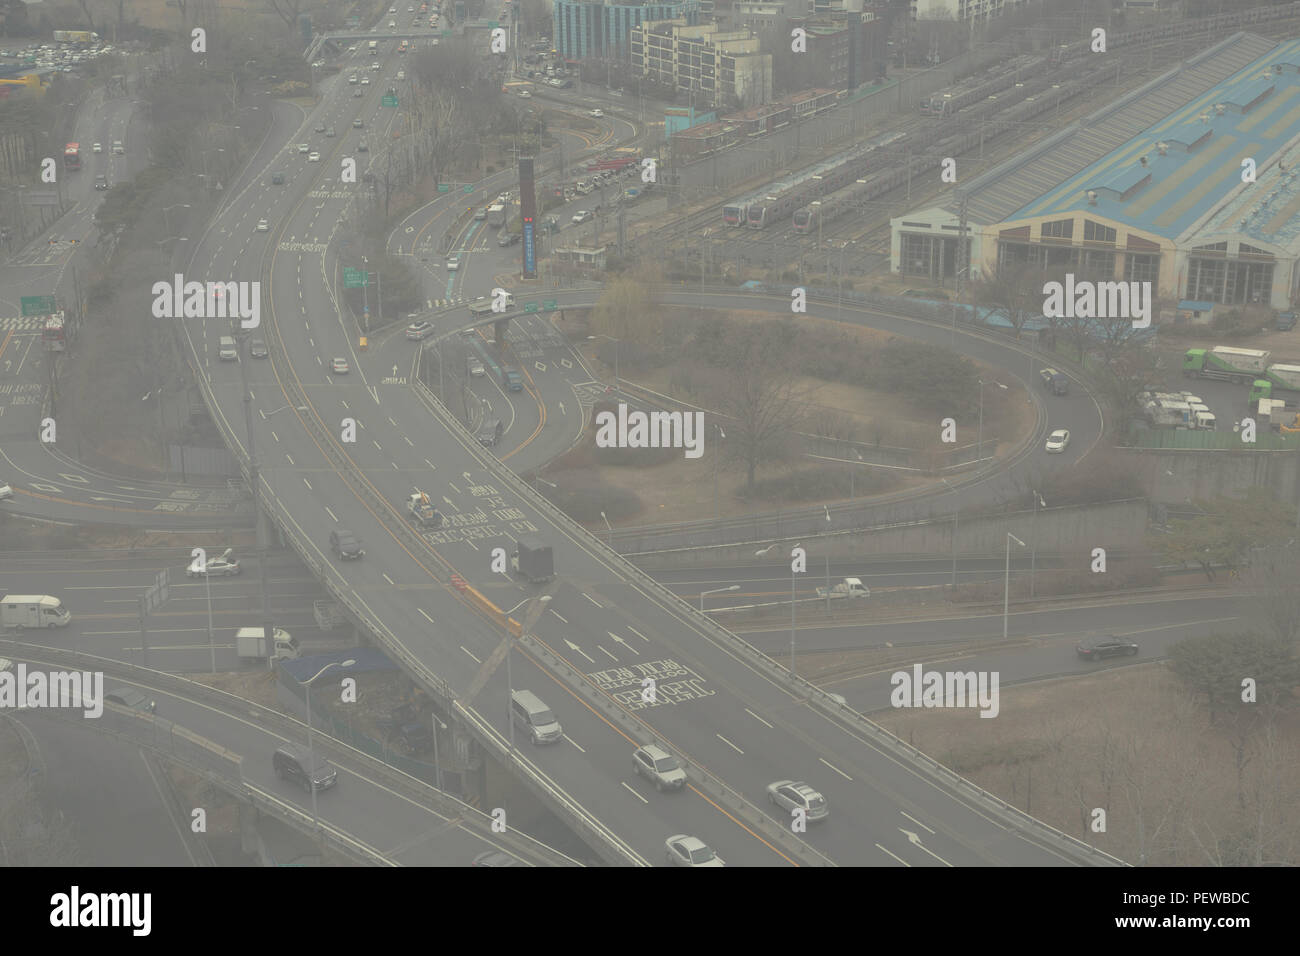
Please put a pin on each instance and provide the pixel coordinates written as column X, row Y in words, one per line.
column 1097, row 650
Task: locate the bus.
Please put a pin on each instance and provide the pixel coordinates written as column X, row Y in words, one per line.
column 53, row 333
column 72, row 156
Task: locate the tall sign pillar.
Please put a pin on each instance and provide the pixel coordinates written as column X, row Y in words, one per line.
column 528, row 216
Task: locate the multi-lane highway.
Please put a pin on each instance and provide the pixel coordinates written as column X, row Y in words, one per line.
column 739, row 722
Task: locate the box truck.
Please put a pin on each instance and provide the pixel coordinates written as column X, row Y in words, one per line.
column 251, row 644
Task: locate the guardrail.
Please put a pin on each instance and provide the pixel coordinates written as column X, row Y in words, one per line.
column 690, row 619
column 213, row 761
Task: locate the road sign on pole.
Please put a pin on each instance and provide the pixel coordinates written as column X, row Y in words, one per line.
column 38, row 305
column 355, row 278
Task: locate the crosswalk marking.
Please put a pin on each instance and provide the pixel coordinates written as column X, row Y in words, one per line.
column 23, row 323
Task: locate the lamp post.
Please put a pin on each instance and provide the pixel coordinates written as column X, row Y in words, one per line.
column 311, row 739
column 720, row 436
column 167, row 209
column 956, row 510
column 734, row 587
column 1033, row 538
column 609, row 529
column 1006, row 587
column 979, row 451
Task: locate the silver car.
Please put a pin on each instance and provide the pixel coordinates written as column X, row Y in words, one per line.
column 791, row 795
column 659, row 767
column 686, row 850
column 1057, row 441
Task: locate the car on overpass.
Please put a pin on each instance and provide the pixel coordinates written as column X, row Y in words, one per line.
column 131, row 697
column 686, row 850
column 791, row 795
column 299, row 765
column 659, row 767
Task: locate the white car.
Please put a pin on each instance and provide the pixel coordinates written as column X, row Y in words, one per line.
column 96, row 148
column 580, row 217
column 686, row 850
column 223, row 565
column 525, row 95
column 339, row 366
column 419, row 330
column 1057, row 441
column 791, row 795
column 262, row 225
column 118, row 148
column 597, row 113
column 313, row 157
column 453, row 263
column 6, row 491
column 365, row 81
column 304, row 148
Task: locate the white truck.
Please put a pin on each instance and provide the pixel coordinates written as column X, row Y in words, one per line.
column 373, row 46
column 496, row 215
column 33, row 610
column 848, row 588
column 251, row 645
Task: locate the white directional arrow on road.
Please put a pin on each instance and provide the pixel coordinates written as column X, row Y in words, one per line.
column 915, row 840
column 624, row 643
column 448, row 502
column 394, row 376
column 562, row 411
column 574, row 647
column 466, row 476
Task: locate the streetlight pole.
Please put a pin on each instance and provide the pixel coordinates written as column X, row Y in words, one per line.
column 956, row 510
column 207, row 580
column 1006, row 587
column 734, row 587
column 311, row 738
column 609, row 529
column 716, row 455
column 1033, row 552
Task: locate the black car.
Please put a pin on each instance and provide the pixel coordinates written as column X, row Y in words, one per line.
column 257, row 348
column 1107, row 647
column 299, row 765
column 345, row 544
column 508, row 238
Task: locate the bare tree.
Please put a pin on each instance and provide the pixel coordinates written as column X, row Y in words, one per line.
column 287, row 10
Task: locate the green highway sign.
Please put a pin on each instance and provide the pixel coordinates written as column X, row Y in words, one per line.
column 38, row 305
column 493, row 24
column 530, row 306
column 468, row 189
column 550, row 305
column 443, row 188
column 389, row 101
column 355, row 278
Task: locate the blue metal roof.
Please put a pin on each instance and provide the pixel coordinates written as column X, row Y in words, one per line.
column 1202, row 186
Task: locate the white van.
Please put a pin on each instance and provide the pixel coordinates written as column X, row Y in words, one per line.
column 227, row 350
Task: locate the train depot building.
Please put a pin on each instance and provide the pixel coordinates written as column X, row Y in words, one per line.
column 1152, row 188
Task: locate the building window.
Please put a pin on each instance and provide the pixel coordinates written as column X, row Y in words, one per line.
column 1060, row 229
column 1096, row 232
column 1139, row 267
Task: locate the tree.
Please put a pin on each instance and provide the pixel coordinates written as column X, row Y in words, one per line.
column 1273, row 572
column 1228, row 531
column 762, row 402
column 287, row 10
column 1015, row 291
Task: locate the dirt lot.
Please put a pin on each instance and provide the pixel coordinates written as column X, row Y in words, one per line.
column 683, row 489
column 1130, row 741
